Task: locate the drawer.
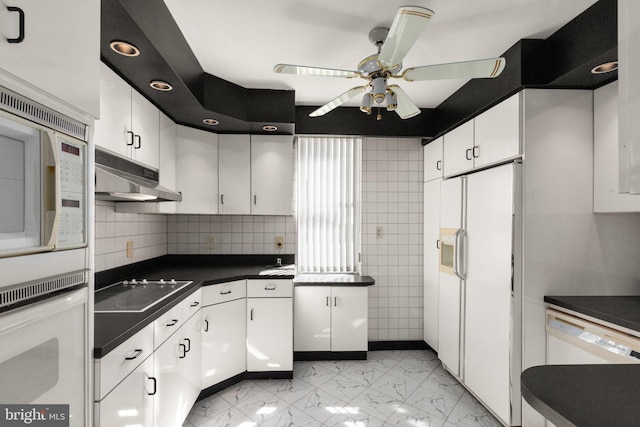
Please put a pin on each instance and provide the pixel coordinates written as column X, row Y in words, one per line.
column 191, row 305
column 166, row 325
column 122, row 360
column 270, row 288
column 223, row 292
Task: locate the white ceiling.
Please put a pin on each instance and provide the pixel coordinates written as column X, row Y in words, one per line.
column 241, row 41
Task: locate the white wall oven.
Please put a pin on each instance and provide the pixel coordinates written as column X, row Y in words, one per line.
column 45, row 318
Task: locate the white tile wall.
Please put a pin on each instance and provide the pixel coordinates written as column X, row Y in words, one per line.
column 113, row 230
column 392, row 199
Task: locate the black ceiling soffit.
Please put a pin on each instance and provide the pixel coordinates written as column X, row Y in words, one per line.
column 563, row 60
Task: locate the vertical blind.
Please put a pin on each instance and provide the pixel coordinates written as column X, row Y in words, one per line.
column 328, row 204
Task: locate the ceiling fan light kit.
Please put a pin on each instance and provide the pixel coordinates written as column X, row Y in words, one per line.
column 393, row 45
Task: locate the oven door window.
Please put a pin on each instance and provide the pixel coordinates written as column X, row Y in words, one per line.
column 20, row 187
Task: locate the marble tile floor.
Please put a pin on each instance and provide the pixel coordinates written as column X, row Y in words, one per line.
column 391, row 388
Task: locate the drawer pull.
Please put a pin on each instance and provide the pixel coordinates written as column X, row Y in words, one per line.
column 20, row 37
column 195, row 304
column 137, row 353
column 172, row 323
column 184, row 351
column 155, row 386
column 206, row 325
column 270, row 288
column 225, row 292
column 188, row 344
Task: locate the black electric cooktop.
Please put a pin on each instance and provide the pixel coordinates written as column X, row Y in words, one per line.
column 135, row 295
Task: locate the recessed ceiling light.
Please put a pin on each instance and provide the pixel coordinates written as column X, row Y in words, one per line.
column 607, row 67
column 211, row 122
column 124, row 48
column 161, row 86
column 269, row 128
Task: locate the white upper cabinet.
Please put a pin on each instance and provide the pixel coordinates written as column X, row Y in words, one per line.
column 197, row 171
column 129, row 125
column 490, row 138
column 433, row 167
column 271, row 175
column 234, row 173
column 458, row 149
column 497, row 133
column 60, row 51
column 606, row 196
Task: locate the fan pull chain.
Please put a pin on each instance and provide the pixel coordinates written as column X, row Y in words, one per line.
column 379, row 116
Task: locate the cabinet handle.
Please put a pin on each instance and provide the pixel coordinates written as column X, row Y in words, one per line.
column 467, row 154
column 184, row 351
column 270, row 287
column 130, row 139
column 137, row 353
column 195, row 304
column 255, row 199
column 476, row 151
column 172, row 323
column 438, row 244
column 155, row 386
column 139, row 142
column 439, row 165
column 327, row 302
column 188, row 345
column 222, row 199
column 20, row 37
column 251, row 315
column 206, row 325
column 225, row 293
column 335, row 301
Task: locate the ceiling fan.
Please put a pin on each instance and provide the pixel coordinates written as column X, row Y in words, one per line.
column 393, row 45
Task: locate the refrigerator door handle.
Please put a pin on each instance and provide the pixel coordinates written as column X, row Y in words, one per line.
column 458, row 257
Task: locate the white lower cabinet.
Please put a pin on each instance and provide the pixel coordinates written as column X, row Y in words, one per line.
column 330, row 318
column 224, row 328
column 269, row 325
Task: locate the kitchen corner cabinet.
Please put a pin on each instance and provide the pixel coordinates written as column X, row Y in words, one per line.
column 71, row 75
column 271, row 175
column 234, row 174
column 270, row 325
column 433, row 167
column 488, row 139
column 606, row 196
column 331, row 318
column 224, row 329
column 196, row 171
column 129, row 124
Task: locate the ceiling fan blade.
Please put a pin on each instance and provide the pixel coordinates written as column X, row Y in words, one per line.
column 336, row 102
column 406, row 108
column 302, row 70
column 483, row 68
column 407, row 26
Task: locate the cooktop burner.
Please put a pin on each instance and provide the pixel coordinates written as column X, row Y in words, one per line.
column 135, row 295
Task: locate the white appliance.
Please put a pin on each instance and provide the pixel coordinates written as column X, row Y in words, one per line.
column 42, row 178
column 479, row 322
column 45, row 318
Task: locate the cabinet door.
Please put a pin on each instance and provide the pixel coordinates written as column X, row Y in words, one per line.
column 111, row 131
column 458, row 150
column 167, row 161
column 349, row 313
column 224, row 348
column 271, row 175
column 131, row 402
column 431, row 261
column 433, row 159
column 312, row 318
column 145, row 123
column 269, row 334
column 497, row 133
column 234, row 173
column 60, row 53
column 190, row 364
column 197, row 171
column 168, row 399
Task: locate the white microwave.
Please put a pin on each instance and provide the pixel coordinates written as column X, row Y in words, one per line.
column 43, row 178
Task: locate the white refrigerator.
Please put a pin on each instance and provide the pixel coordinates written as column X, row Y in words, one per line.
column 479, row 324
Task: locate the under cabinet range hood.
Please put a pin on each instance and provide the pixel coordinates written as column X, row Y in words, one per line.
column 122, row 180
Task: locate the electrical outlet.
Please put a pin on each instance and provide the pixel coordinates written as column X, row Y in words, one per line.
column 129, row 248
column 279, row 242
column 209, row 242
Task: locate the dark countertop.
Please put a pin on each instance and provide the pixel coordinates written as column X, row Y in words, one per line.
column 619, row 310
column 584, row 395
column 332, row 279
column 112, row 329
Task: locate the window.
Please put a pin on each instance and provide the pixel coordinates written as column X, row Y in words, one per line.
column 328, row 204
